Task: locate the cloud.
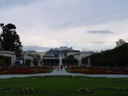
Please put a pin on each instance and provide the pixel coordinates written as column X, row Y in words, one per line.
column 99, row 42
column 14, row 3
column 35, row 48
column 66, row 43
column 61, row 14
column 54, row 23
column 72, row 13
column 100, row 32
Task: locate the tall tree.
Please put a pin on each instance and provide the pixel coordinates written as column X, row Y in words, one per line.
column 120, row 42
column 9, row 39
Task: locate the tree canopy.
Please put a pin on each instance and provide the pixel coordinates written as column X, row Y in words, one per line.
column 9, row 39
column 120, row 42
column 117, row 57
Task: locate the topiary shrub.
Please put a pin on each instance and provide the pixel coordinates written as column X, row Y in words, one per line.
column 6, row 59
column 35, row 62
column 2, row 62
column 28, row 62
column 83, row 91
column 29, row 91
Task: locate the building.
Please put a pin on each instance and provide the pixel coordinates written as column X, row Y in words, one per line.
column 80, row 55
column 57, row 54
column 32, row 55
column 49, row 57
column 41, row 54
column 26, row 57
column 9, row 54
column 54, row 52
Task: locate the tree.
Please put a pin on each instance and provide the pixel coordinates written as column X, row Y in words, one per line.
column 120, row 42
column 9, row 39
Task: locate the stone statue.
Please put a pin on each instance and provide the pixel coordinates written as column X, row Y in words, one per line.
column 89, row 63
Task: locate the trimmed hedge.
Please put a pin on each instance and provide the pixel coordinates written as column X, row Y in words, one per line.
column 7, row 60
column 35, row 62
column 50, row 61
column 69, row 61
column 56, row 61
column 28, row 62
column 116, row 57
column 2, row 62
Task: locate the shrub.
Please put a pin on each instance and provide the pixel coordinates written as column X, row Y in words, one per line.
column 28, row 62
column 35, row 62
column 70, row 61
column 2, row 62
column 7, row 60
column 51, row 61
column 116, row 57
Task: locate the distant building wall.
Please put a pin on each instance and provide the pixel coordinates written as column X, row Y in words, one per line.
column 80, row 55
column 9, row 54
column 41, row 54
column 56, row 51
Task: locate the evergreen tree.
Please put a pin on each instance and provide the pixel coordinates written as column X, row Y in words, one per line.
column 9, row 39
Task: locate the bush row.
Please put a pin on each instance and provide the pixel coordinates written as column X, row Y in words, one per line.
column 5, row 61
column 56, row 61
column 116, row 57
column 35, row 62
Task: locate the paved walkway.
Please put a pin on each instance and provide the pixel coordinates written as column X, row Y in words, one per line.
column 63, row 72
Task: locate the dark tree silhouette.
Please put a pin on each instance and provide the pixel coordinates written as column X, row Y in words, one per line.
column 9, row 39
column 120, row 42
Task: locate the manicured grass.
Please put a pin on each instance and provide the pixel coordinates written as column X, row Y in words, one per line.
column 64, row 86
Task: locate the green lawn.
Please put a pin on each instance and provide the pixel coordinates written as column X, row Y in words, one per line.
column 64, row 86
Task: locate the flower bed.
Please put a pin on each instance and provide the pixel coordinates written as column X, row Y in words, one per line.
column 98, row 71
column 28, row 70
column 89, row 90
column 23, row 89
column 104, row 81
column 83, row 91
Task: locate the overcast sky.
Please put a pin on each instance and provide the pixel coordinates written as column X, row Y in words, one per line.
column 81, row 24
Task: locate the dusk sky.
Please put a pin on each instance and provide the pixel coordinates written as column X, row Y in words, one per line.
column 81, row 24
